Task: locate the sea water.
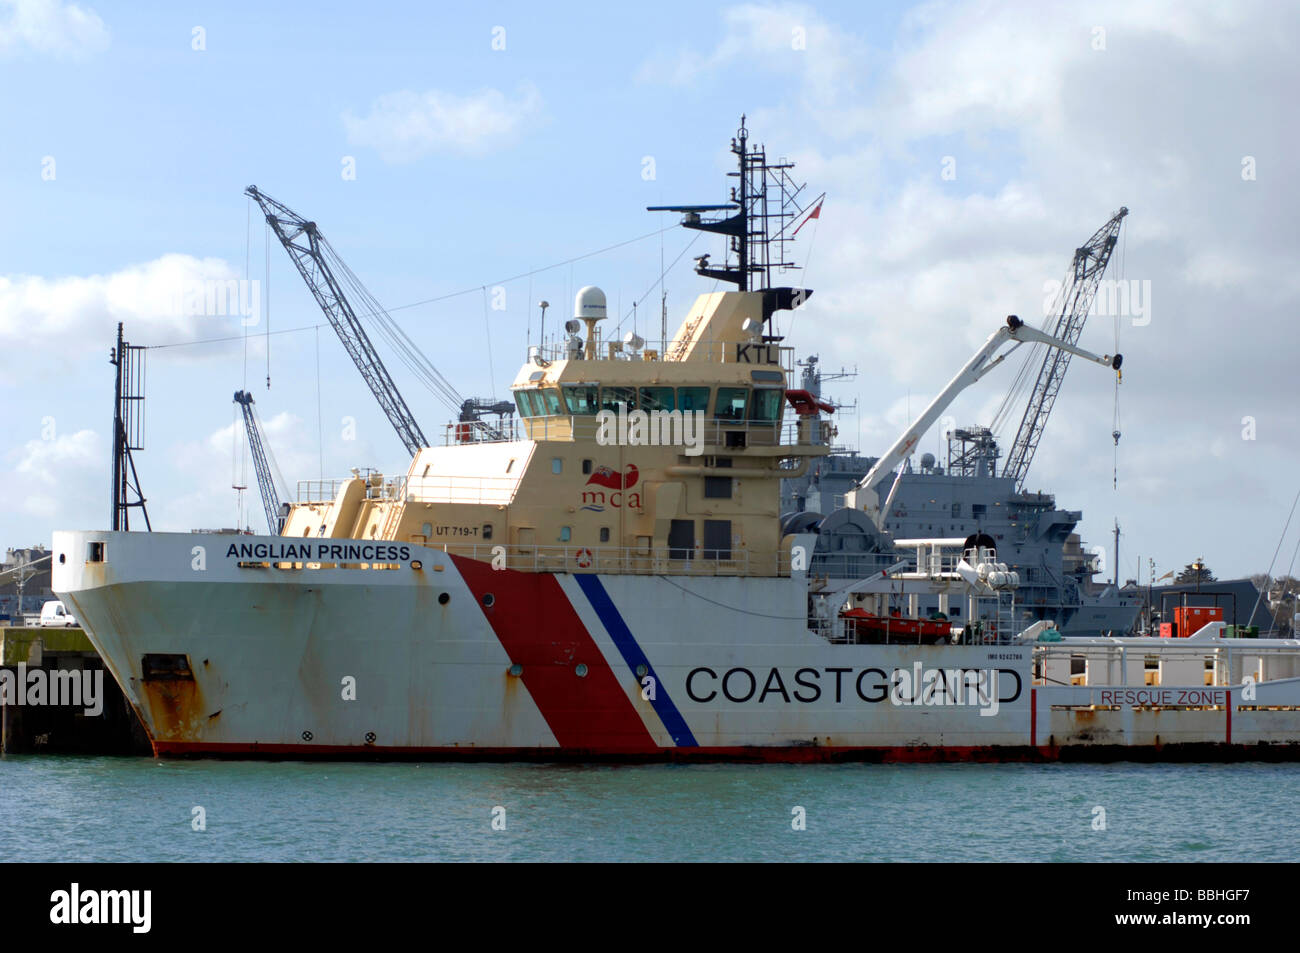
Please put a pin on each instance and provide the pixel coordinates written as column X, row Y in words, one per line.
column 56, row 808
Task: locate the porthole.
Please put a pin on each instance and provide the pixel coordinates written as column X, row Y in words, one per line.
column 443, row 598
column 580, row 670
column 489, row 600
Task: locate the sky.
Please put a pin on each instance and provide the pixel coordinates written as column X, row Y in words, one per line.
column 469, row 153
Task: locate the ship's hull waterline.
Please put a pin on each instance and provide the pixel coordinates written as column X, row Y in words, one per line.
column 456, row 660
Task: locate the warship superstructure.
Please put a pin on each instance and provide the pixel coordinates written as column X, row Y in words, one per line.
column 966, row 494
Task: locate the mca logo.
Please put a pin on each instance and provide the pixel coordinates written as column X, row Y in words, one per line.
column 616, row 483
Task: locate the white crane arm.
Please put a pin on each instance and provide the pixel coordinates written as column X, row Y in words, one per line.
column 864, row 495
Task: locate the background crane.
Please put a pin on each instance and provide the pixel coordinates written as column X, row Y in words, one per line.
column 265, row 483
column 317, row 262
column 1076, row 301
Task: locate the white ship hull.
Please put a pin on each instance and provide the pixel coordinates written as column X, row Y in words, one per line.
column 454, row 659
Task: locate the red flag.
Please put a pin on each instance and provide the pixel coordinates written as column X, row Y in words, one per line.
column 816, row 213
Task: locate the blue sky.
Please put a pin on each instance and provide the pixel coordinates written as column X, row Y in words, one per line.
column 474, row 163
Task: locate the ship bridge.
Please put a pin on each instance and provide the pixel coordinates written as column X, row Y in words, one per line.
column 624, row 457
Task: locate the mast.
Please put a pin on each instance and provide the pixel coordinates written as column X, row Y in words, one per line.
column 128, row 431
column 1115, row 574
column 762, row 206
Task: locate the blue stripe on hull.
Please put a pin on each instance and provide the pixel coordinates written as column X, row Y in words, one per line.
column 612, row 619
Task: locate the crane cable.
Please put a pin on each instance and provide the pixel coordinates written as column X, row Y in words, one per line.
column 1268, row 576
column 487, row 337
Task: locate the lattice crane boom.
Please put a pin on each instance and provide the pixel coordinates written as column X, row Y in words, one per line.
column 1089, row 264
column 265, row 483
column 302, row 240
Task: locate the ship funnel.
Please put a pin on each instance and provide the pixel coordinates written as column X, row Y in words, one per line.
column 589, row 305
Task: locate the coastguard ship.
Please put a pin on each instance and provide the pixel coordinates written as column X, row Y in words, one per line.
column 608, row 576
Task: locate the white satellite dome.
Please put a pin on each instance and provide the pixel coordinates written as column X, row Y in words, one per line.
column 590, row 304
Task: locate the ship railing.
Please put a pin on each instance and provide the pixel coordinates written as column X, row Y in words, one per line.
column 634, row 560
column 554, row 350
column 1177, row 662
column 498, row 430
column 454, row 489
column 717, row 434
column 318, row 491
column 937, row 564
column 609, row 560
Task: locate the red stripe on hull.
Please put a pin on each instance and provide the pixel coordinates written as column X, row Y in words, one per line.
column 541, row 632
column 798, row 754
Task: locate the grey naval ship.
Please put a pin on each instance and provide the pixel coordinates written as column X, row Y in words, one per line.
column 963, row 496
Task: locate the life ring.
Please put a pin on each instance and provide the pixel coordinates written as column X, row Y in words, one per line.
column 584, row 558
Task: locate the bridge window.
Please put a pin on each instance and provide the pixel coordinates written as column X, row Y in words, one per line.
column 693, row 398
column 524, row 399
column 581, row 398
column 731, row 403
column 766, row 406
column 552, row 401
column 611, row 397
column 657, row 398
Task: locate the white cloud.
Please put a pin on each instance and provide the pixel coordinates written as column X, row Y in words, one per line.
column 1050, row 136
column 48, row 26
column 209, row 468
column 406, row 125
column 57, row 476
column 172, row 298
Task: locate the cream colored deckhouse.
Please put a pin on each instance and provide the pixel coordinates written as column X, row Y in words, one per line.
column 624, row 458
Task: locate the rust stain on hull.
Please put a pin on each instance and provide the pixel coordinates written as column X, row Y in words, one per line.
column 176, row 709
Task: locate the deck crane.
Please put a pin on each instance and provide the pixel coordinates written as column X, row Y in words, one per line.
column 864, row 496
column 1080, row 289
column 327, row 275
column 265, row 483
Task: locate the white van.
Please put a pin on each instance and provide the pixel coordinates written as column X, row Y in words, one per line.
column 53, row 613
